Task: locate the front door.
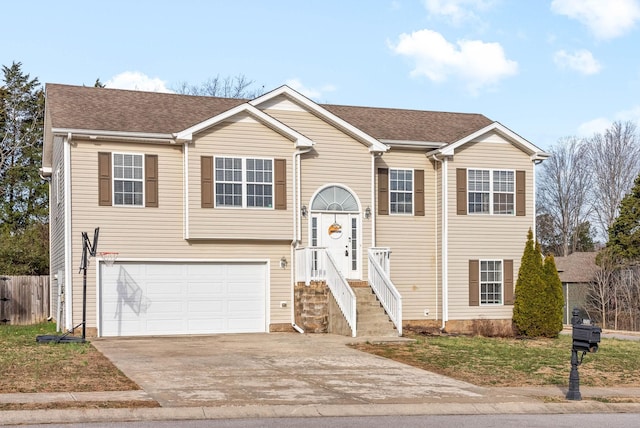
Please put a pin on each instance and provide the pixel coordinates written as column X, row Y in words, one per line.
column 335, row 225
column 338, row 233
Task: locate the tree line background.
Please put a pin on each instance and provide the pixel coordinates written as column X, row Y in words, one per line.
column 588, row 199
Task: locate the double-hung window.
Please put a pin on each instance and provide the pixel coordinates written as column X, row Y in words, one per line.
column 244, row 182
column 128, row 179
column 491, row 191
column 491, row 283
column 401, row 191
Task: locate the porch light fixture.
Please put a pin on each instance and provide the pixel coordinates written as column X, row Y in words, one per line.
column 367, row 212
column 304, row 211
column 283, row 262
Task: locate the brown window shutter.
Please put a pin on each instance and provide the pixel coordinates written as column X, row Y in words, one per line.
column 418, row 195
column 151, row 181
column 521, row 193
column 383, row 191
column 461, row 191
column 474, row 282
column 507, row 280
column 280, row 178
column 206, row 181
column 104, row 179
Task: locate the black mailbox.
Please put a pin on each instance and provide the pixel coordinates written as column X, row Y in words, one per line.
column 586, row 337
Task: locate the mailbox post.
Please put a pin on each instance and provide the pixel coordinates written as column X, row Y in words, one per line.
column 585, row 339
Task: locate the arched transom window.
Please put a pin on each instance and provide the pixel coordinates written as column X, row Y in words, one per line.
column 335, row 198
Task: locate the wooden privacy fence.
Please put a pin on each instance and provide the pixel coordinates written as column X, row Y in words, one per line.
column 24, row 299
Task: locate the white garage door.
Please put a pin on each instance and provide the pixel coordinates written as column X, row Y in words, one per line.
column 138, row 299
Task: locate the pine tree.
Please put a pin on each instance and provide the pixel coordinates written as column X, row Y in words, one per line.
column 23, row 194
column 624, row 233
column 554, row 299
column 529, row 292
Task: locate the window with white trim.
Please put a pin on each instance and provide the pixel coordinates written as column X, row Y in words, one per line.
column 244, row 182
column 491, row 282
column 128, row 179
column 491, row 191
column 401, row 191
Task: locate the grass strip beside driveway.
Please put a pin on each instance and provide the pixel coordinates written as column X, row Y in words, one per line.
column 27, row 366
column 505, row 362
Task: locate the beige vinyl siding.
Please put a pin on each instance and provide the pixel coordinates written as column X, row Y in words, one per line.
column 245, row 138
column 484, row 237
column 412, row 240
column 156, row 233
column 336, row 158
column 56, row 223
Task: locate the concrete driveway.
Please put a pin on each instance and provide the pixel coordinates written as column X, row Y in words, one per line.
column 273, row 369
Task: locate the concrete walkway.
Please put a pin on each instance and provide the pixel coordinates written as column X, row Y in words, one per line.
column 284, row 374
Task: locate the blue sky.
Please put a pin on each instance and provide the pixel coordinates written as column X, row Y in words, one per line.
column 545, row 69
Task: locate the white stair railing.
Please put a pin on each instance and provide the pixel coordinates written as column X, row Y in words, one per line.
column 383, row 287
column 382, row 255
column 310, row 264
column 315, row 264
column 342, row 292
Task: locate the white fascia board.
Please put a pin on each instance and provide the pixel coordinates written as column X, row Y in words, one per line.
column 102, row 133
column 373, row 144
column 494, row 127
column 298, row 138
column 413, row 144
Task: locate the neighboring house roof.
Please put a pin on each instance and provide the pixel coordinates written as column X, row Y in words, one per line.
column 577, row 267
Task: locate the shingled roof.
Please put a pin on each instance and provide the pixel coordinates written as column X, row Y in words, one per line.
column 579, row 267
column 89, row 108
column 411, row 125
column 80, row 107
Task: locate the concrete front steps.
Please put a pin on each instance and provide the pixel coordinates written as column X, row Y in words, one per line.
column 372, row 319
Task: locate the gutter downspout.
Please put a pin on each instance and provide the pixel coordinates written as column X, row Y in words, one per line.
column 68, row 271
column 51, row 277
column 185, row 177
column 297, row 227
column 373, row 198
column 445, row 243
column 435, row 197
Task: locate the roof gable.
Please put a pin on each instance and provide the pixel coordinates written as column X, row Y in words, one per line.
column 498, row 128
column 260, row 116
column 318, row 110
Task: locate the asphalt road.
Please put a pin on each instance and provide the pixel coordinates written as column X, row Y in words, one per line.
column 626, row 420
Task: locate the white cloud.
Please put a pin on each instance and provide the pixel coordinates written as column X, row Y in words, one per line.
column 312, row 93
column 474, row 62
column 581, row 61
column 137, row 81
column 601, row 124
column 606, row 19
column 598, row 125
column 457, row 11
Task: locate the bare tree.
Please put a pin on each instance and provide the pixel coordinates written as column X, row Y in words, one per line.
column 226, row 87
column 563, row 190
column 614, row 163
column 600, row 296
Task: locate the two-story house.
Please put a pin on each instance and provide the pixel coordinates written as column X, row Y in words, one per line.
column 220, row 209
